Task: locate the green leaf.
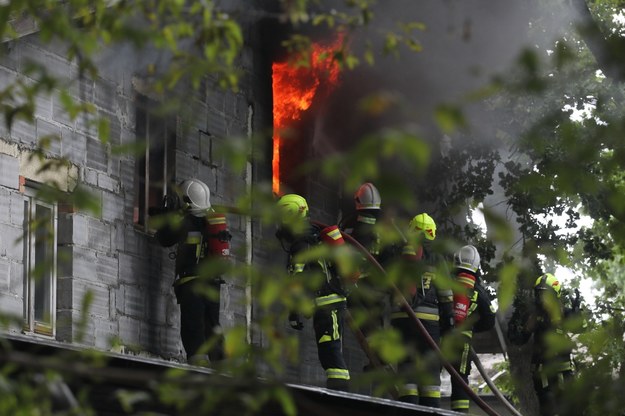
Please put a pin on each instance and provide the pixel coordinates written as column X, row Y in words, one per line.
column 369, row 57
column 128, row 399
column 235, row 344
column 388, row 344
column 286, row 402
column 507, row 285
column 103, row 130
column 449, row 118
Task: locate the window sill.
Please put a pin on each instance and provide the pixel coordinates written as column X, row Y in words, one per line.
column 48, row 335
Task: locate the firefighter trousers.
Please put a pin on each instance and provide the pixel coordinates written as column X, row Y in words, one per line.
column 421, row 370
column 200, row 330
column 549, row 383
column 462, row 364
column 328, row 326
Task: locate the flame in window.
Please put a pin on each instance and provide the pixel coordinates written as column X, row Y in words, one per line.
column 295, row 88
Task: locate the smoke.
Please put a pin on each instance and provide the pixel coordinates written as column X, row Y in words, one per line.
column 465, row 44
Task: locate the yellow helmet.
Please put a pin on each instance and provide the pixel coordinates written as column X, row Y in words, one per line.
column 423, row 222
column 548, row 281
column 292, row 208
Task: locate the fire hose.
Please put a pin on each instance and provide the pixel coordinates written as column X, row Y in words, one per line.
column 403, row 303
column 375, row 361
column 411, row 314
column 491, row 384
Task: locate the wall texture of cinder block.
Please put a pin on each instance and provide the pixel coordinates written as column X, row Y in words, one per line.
column 126, row 271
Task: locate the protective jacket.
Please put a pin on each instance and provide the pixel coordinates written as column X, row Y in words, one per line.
column 198, row 238
column 332, row 289
column 363, row 231
column 431, row 299
column 549, row 327
column 329, row 298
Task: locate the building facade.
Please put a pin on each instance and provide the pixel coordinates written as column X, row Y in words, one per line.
column 96, row 278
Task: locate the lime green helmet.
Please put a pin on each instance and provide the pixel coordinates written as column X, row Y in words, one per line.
column 548, row 281
column 292, row 208
column 423, row 222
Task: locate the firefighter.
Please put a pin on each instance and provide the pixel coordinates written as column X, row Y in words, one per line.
column 321, row 278
column 473, row 311
column 367, row 301
column 425, row 288
column 551, row 358
column 201, row 237
column 368, row 204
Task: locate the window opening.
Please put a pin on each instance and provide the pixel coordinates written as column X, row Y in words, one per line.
column 155, row 165
column 40, row 260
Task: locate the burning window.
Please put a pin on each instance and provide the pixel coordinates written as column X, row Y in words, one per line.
column 296, row 86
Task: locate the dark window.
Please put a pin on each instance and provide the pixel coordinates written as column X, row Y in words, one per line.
column 156, row 133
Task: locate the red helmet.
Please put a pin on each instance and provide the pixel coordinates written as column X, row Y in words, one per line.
column 367, row 197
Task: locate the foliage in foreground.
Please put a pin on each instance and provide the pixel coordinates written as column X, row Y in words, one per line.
column 552, row 166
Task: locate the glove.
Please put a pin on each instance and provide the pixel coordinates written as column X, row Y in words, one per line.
column 446, row 317
column 295, row 322
column 446, row 325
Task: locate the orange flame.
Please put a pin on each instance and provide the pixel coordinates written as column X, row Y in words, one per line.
column 295, row 88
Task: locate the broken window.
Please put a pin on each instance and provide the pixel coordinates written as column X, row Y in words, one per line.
column 40, row 225
column 156, row 136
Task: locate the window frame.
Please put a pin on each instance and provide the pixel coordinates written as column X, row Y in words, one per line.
column 146, row 184
column 32, row 324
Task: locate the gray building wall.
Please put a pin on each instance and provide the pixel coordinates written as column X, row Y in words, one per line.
column 127, row 272
column 129, row 275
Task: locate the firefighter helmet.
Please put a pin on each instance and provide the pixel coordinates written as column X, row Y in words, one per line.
column 367, row 197
column 292, row 208
column 196, row 197
column 548, row 281
column 467, row 258
column 423, row 222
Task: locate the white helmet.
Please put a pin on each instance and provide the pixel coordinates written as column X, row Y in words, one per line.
column 196, row 197
column 467, row 258
column 367, row 197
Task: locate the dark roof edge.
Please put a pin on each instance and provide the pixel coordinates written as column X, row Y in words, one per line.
column 336, row 402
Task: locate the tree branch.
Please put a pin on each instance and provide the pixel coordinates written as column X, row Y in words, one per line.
column 608, row 49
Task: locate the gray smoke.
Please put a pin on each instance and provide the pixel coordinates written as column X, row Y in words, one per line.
column 465, row 44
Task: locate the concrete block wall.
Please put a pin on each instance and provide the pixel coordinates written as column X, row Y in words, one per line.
column 103, row 253
column 100, row 253
column 11, row 255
